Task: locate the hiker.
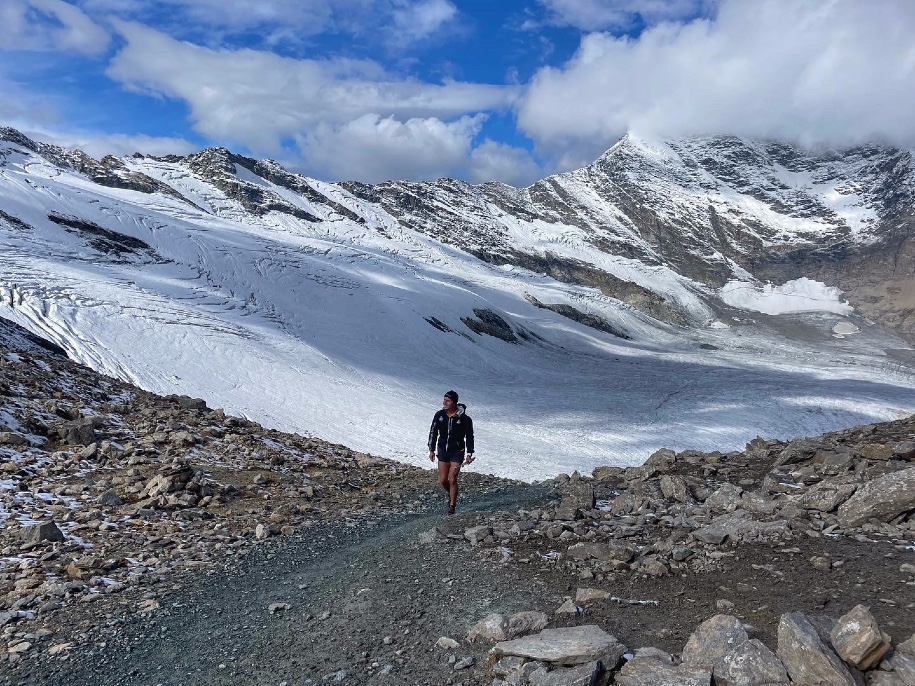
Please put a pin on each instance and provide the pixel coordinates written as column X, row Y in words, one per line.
column 451, row 439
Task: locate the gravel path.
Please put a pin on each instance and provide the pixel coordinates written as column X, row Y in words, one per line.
column 366, row 606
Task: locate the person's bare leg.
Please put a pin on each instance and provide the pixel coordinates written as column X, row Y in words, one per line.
column 453, row 471
column 443, row 468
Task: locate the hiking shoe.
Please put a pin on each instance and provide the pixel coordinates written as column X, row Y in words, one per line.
column 450, row 509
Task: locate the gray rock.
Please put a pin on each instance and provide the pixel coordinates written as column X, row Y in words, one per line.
column 875, row 451
column 110, row 498
column 76, row 432
column 858, row 640
column 725, row 499
column 753, row 664
column 827, row 496
column 904, row 450
column 713, row 641
column 662, row 459
column 12, row 439
column 583, row 675
column 883, row 498
column 903, row 666
column 675, row 488
column 808, row 660
column 588, row 595
column 491, row 628
column 477, row 533
column 46, row 531
column 738, row 525
column 506, row 665
column 907, row 647
column 568, row 608
column 607, row 552
column 521, row 623
column 886, row 679
column 568, row 646
column 647, row 671
column 89, row 451
column 463, row 663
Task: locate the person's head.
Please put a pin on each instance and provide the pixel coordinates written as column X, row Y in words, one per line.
column 449, row 402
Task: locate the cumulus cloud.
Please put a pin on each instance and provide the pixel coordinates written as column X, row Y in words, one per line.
column 49, row 25
column 260, row 98
column 350, row 118
column 494, row 161
column 599, row 15
column 838, row 72
column 372, row 148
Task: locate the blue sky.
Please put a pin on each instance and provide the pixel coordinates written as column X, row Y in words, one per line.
column 510, row 90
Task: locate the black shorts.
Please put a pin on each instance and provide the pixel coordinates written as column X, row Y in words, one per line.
column 457, row 457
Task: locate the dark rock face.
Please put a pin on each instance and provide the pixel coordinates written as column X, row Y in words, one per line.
column 103, row 239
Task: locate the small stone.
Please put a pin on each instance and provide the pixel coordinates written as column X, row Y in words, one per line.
column 568, row 608
column 463, row 663
column 447, row 643
column 588, row 595
column 476, row 534
column 59, row 648
column 821, row 563
column 273, row 608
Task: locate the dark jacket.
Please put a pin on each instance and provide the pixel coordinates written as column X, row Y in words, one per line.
column 451, row 434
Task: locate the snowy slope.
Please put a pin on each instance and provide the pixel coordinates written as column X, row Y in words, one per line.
column 346, row 310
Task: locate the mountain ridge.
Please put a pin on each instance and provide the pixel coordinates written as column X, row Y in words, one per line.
column 607, row 305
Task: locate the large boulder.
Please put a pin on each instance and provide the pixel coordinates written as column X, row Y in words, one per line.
column 808, row 660
column 752, row 664
column 711, row 644
column 582, row 675
column 858, row 640
column 649, row 671
column 568, row 646
column 738, row 525
column 40, row 533
column 883, row 498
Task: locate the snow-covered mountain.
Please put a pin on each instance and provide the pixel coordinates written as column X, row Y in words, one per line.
column 588, row 319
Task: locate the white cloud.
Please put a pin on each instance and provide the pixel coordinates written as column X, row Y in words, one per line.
column 100, row 144
column 350, row 118
column 395, row 23
column 49, row 25
column 415, row 21
column 372, row 148
column 838, row 72
column 597, row 15
column 494, row 161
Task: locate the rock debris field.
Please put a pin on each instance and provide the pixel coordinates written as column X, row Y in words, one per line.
column 153, row 540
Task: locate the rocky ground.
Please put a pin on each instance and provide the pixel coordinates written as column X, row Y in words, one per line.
column 151, row 540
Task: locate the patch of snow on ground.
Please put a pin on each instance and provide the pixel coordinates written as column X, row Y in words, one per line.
column 800, row 295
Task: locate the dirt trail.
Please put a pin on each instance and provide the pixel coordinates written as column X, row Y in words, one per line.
column 366, row 605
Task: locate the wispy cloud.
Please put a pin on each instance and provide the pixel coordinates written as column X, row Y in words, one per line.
column 49, row 25
column 603, row 15
column 415, row 21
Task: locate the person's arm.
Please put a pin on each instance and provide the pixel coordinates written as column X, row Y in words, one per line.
column 468, row 440
column 433, row 435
